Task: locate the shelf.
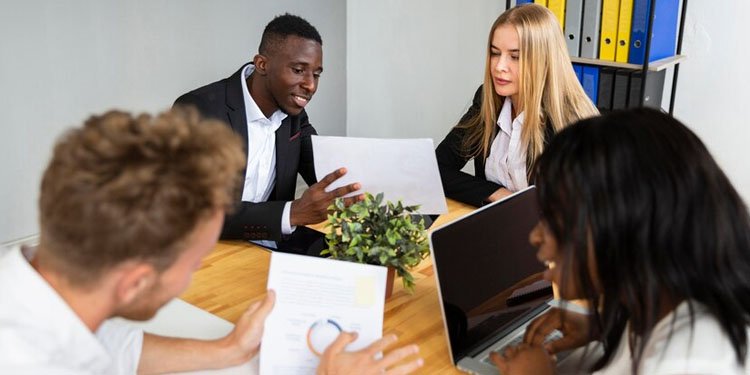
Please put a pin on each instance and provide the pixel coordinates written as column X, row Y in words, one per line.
column 653, row 66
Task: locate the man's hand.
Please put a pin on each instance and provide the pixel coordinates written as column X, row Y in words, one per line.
column 312, row 206
column 573, row 326
column 336, row 361
column 244, row 340
column 524, row 359
column 170, row 354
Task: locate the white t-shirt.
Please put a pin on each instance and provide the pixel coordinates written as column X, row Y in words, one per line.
column 704, row 349
column 40, row 334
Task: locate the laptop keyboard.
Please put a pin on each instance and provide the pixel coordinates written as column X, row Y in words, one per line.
column 554, row 335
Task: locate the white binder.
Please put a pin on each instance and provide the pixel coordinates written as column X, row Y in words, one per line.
column 590, row 28
column 573, row 15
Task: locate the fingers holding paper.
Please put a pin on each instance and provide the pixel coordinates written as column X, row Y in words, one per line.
column 312, row 206
column 337, row 361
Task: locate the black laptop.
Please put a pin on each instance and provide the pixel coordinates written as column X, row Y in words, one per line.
column 489, row 280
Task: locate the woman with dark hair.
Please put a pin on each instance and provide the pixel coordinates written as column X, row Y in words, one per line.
column 640, row 221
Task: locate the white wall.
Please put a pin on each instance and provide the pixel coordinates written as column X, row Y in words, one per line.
column 393, row 68
column 64, row 60
column 413, row 66
column 713, row 87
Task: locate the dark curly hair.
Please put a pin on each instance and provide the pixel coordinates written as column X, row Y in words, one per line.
column 283, row 26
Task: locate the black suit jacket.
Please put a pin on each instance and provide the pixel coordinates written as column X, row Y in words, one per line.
column 223, row 100
column 463, row 187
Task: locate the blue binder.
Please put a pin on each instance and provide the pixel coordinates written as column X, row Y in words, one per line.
column 579, row 72
column 664, row 34
column 590, row 81
column 519, row 2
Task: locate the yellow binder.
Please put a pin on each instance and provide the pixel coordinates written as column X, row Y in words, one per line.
column 558, row 8
column 623, row 31
column 541, row 2
column 610, row 14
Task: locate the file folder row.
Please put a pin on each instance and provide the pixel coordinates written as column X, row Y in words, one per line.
column 616, row 30
column 615, row 88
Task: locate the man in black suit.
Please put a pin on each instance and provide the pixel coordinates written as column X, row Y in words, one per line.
column 264, row 103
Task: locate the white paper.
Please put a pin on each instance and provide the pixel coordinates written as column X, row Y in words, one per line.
column 314, row 298
column 402, row 169
column 181, row 319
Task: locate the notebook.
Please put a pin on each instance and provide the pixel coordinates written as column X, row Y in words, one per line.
column 489, row 281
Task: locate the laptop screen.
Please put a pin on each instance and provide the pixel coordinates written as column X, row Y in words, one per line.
column 487, row 271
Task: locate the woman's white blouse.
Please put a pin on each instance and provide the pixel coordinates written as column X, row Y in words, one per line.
column 506, row 164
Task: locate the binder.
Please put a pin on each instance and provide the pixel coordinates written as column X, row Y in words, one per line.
column 558, row 9
column 620, row 89
column 592, row 17
column 653, row 91
column 664, row 35
column 623, row 31
column 610, row 16
column 519, row 2
column 579, row 72
column 606, row 87
column 573, row 16
column 541, row 2
column 591, row 81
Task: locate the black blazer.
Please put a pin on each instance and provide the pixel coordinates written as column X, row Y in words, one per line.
column 223, row 100
column 461, row 186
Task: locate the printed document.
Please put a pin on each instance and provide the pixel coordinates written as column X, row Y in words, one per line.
column 402, row 169
column 316, row 299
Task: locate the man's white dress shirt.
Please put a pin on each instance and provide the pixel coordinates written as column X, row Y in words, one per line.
column 506, row 163
column 260, row 175
column 40, row 334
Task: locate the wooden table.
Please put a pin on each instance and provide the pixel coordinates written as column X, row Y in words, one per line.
column 235, row 273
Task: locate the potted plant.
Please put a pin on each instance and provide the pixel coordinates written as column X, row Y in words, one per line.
column 374, row 232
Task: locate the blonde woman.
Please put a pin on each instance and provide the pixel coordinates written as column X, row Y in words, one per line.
column 530, row 92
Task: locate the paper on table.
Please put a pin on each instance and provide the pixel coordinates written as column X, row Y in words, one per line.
column 316, row 298
column 402, row 169
column 181, row 319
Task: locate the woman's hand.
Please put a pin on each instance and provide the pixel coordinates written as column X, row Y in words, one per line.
column 573, row 326
column 336, row 361
column 524, row 359
column 499, row 194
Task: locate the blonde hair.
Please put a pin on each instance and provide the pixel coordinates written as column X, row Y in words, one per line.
column 125, row 187
column 548, row 87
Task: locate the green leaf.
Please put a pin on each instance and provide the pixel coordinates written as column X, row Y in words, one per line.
column 379, row 232
column 383, row 258
column 390, row 236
